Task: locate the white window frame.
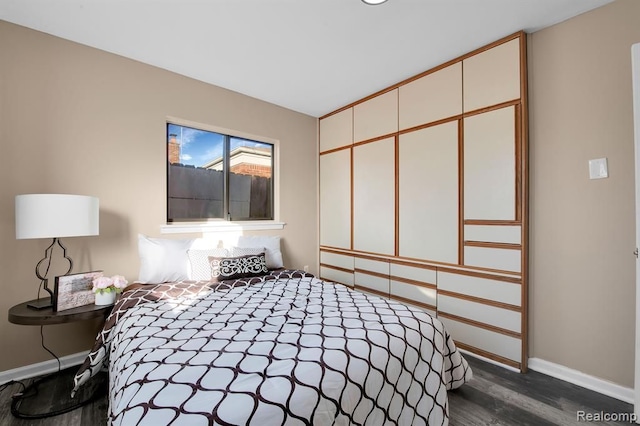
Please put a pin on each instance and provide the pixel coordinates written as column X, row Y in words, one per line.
column 216, row 225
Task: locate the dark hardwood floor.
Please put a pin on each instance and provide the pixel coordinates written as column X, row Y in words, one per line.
column 495, row 396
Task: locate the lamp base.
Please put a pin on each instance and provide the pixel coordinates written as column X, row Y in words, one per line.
column 41, row 304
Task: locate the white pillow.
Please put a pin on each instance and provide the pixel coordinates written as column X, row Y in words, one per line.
column 246, row 251
column 199, row 261
column 163, row 260
column 271, row 244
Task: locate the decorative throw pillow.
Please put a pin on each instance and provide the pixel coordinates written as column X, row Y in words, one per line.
column 244, row 251
column 163, row 260
column 228, row 268
column 270, row 243
column 199, row 261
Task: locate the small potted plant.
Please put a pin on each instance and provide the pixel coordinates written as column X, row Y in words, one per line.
column 107, row 288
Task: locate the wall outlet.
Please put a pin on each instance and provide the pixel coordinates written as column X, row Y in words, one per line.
column 306, row 268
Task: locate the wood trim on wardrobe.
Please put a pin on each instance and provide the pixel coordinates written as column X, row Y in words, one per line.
column 366, row 257
column 352, row 200
column 510, row 280
column 373, row 274
column 414, row 265
column 487, row 222
column 335, row 250
column 431, row 124
column 376, row 139
column 332, row 150
column 461, row 191
column 396, row 241
column 518, row 163
column 486, row 244
column 490, row 108
column 413, row 282
column 337, row 268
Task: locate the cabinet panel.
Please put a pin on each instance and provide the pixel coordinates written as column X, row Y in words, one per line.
column 499, row 344
column 493, row 258
column 377, row 266
column 336, row 275
column 429, row 193
column 503, row 318
column 490, row 165
column 491, row 289
column 427, row 276
column 412, row 292
column 335, row 259
column 335, row 199
column 373, row 283
column 336, row 130
column 374, row 197
column 492, row 77
column 432, row 97
column 493, row 234
column 376, row 117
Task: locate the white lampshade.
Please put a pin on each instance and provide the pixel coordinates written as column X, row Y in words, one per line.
column 56, row 216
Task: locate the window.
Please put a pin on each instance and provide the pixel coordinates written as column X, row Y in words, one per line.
column 213, row 175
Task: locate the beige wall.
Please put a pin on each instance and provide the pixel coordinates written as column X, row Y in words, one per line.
column 78, row 120
column 582, row 270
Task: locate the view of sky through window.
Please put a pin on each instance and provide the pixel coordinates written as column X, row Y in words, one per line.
column 197, row 147
column 200, row 147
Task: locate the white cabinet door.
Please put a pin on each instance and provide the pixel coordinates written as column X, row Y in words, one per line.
column 490, row 165
column 376, row 117
column 429, row 212
column 492, row 77
column 336, row 130
column 335, row 199
column 374, row 197
column 430, row 98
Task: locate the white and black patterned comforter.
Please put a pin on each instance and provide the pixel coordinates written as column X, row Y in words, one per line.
column 284, row 349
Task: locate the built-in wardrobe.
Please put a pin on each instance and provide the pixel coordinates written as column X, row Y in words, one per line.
column 423, row 197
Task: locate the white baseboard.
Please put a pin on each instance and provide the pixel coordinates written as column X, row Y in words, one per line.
column 41, row 368
column 581, row 379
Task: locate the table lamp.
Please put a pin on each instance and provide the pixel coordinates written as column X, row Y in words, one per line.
column 54, row 216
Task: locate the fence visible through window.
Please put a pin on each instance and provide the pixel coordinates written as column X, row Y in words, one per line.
column 215, row 176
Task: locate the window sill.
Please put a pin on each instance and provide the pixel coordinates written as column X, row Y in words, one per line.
column 220, row 226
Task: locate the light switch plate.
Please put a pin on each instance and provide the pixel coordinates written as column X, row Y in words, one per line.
column 598, row 168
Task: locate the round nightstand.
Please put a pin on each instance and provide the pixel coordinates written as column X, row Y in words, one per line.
column 22, row 314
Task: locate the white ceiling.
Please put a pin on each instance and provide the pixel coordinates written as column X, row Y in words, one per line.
column 311, row 56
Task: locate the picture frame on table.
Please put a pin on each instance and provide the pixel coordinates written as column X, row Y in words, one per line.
column 71, row 291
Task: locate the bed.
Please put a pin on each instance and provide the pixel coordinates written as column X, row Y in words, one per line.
column 281, row 348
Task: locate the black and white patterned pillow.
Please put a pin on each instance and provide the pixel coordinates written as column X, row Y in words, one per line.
column 228, row 268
